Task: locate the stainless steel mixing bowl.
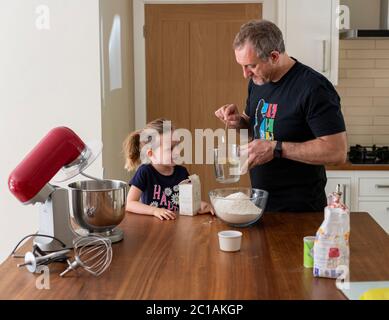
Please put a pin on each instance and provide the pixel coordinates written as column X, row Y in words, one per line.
column 98, row 206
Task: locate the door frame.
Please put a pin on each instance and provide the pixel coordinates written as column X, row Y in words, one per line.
column 269, row 12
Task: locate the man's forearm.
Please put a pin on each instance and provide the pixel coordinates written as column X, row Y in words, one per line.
column 317, row 151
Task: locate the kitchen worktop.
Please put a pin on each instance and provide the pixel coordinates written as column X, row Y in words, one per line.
column 364, row 167
column 181, row 260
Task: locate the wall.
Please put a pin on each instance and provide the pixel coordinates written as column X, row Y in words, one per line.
column 269, row 10
column 364, row 90
column 118, row 117
column 48, row 78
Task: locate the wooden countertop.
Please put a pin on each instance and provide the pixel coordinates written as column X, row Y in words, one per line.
column 181, row 260
column 364, row 167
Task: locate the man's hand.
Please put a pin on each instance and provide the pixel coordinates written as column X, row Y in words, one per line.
column 206, row 208
column 257, row 152
column 229, row 114
column 325, row 150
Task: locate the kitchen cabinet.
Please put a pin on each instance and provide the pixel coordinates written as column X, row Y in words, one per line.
column 364, row 190
column 374, row 187
column 310, row 33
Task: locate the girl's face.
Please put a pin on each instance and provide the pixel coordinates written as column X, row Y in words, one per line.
column 163, row 155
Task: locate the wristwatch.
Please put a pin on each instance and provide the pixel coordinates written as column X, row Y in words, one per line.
column 278, row 150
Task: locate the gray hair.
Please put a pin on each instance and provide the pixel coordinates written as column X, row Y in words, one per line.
column 264, row 35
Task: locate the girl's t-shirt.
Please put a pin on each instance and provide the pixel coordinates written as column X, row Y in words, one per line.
column 157, row 189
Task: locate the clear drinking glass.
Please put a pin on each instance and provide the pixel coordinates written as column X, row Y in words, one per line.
column 227, row 163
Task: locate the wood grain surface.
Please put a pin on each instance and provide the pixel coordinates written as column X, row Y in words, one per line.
column 181, row 260
column 360, row 167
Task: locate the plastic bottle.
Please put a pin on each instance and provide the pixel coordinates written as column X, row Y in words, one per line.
column 331, row 249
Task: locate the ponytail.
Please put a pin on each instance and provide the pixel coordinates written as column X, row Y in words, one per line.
column 131, row 150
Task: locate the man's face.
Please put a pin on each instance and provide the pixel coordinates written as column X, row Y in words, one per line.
column 254, row 68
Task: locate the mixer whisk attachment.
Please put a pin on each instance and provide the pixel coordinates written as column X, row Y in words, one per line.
column 93, row 253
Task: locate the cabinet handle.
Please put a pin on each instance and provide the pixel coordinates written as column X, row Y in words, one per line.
column 344, row 195
column 382, row 186
column 324, row 45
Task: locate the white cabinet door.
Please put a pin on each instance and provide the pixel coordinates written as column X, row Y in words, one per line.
column 345, row 188
column 374, row 187
column 311, row 36
column 379, row 210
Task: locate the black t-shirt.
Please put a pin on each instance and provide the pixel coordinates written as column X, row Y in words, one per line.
column 301, row 106
column 159, row 190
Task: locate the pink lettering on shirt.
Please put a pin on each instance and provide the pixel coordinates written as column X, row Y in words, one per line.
column 163, row 200
column 170, row 206
column 157, row 192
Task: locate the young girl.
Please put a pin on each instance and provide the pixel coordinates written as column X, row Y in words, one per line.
column 156, row 183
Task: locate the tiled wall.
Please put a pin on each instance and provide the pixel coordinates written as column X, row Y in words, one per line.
column 364, row 89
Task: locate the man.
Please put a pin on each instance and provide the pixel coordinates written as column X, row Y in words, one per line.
column 293, row 115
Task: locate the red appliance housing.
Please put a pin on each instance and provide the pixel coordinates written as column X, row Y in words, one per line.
column 61, row 146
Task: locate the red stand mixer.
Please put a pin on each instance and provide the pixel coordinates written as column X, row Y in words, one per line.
column 98, row 205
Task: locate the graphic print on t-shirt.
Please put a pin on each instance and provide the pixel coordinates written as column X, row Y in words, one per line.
column 167, row 198
column 268, row 111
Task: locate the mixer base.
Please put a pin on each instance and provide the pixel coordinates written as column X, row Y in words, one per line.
column 114, row 235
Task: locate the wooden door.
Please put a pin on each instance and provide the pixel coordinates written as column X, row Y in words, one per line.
column 191, row 69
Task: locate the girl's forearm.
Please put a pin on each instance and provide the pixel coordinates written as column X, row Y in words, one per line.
column 140, row 208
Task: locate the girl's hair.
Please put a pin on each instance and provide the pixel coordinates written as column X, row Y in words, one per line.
column 132, row 145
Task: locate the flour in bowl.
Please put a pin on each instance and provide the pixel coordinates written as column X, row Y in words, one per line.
column 236, row 208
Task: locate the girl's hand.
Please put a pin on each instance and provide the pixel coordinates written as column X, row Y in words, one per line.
column 206, row 208
column 162, row 214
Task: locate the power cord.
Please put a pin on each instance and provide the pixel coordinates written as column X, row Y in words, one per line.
column 37, row 248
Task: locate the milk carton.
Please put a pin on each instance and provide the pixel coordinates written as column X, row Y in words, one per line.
column 190, row 195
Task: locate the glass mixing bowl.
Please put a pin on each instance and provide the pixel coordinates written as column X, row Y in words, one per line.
column 239, row 207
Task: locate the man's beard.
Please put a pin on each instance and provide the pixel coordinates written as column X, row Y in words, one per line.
column 260, row 82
